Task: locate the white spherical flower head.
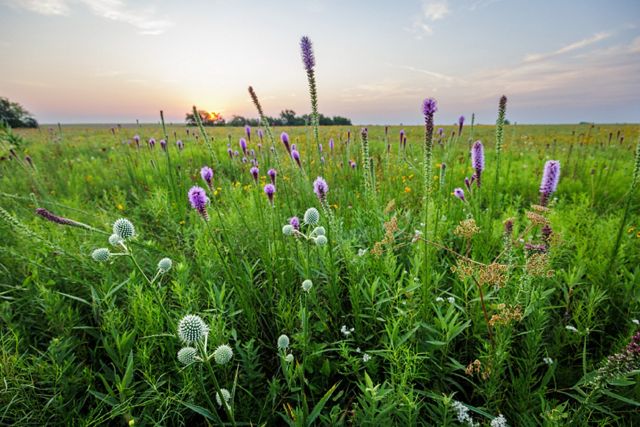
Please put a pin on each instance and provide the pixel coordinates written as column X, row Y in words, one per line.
column 115, row 240
column 289, row 358
column 124, row 228
column 311, row 216
column 321, row 240
column 225, row 395
column 319, row 231
column 192, row 329
column 223, row 354
column 307, row 285
column 283, row 342
column 164, row 265
column 187, row 355
column 100, row 254
column 287, row 230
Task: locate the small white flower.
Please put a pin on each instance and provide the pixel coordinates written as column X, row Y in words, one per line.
column 289, row 358
column 451, row 300
column 283, row 342
column 636, row 321
column 547, row 360
column 571, row 328
column 307, row 285
column 346, row 331
column 358, row 350
column 439, row 299
column 362, row 252
column 225, row 395
column 366, row 358
column 499, row 421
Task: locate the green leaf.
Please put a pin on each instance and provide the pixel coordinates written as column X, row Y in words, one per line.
column 318, row 408
column 199, row 409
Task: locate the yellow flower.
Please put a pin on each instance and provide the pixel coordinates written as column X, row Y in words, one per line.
column 630, row 230
column 120, row 207
column 182, row 222
column 407, row 189
column 638, row 234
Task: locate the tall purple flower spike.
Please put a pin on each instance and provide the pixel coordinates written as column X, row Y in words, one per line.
column 460, row 124
column 272, row 175
column 295, row 222
column 550, row 179
column 284, row 137
column 247, row 130
column 270, row 190
column 207, row 175
column 255, row 172
column 308, row 59
column 331, row 144
column 296, row 156
column 477, row 160
column 321, row 188
column 243, row 145
column 199, row 200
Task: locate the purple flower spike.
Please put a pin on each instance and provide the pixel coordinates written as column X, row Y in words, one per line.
column 352, row 164
column 255, row 172
column 467, row 183
column 320, row 148
column 163, row 144
column 284, row 137
column 50, row 216
column 331, row 144
column 199, row 200
column 207, row 175
column 295, row 222
column 247, row 130
column 459, row 193
column 136, row 138
column 152, row 143
column 244, row 159
column 440, row 131
column 477, row 160
column 307, row 54
column 243, row 145
column 272, row 175
column 270, row 190
column 230, row 152
column 429, row 107
column 293, row 147
column 260, row 134
column 550, row 179
column 180, row 144
column 460, row 124
column 321, row 188
column 401, row 136
column 296, row 156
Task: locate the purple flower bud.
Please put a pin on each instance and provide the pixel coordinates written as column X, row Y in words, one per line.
column 460, row 124
column 50, row 216
column 546, row 233
column 136, row 138
column 320, row 148
column 352, row 164
column 272, row 175
column 307, row 54
column 402, row 136
column 284, row 137
column 322, row 159
column 28, row 159
column 260, row 134
column 199, row 200
column 293, row 147
column 321, row 188
column 550, row 179
column 152, row 143
column 255, row 172
column 244, row 159
column 467, row 183
column 236, row 153
column 270, row 190
column 163, row 144
column 477, row 160
column 440, row 131
column 180, row 144
column 429, row 107
column 530, row 247
column 296, row 156
column 243, row 145
column 331, row 143
column 247, row 130
column 207, row 175
column 508, row 227
column 230, row 152
column 294, row 222
column 459, row 193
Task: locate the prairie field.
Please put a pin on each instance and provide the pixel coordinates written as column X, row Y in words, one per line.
column 401, row 296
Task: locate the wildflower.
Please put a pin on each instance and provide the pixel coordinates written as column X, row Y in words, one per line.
column 451, row 300
column 289, row 358
column 192, row 328
column 124, row 228
column 260, row 135
column 49, row 216
column 318, row 231
column 272, row 175
column 243, row 145
column 502, row 108
column 152, row 142
column 230, row 153
column 136, row 138
column 550, row 179
column 402, row 137
column 295, row 222
column 352, row 164
column 296, row 156
column 439, row 299
column 187, row 355
column 207, row 175
column 508, row 226
column 270, row 190
column 462, row 413
column 287, row 229
column 331, row 144
column 636, row 321
column 247, row 131
column 163, row 144
column 366, row 358
column 255, row 172
column 284, row 137
column 477, row 160
column 223, row 354
column 460, row 124
column 180, row 144
column 362, row 252
column 571, row 328
column 321, row 188
column 308, row 58
column 499, row 421
column 115, row 240
column 321, row 240
column 459, row 193
column 547, row 360
column 307, row 285
column 199, row 200
column 225, row 395
column 311, row 216
column 283, row 342
column 346, row 331
column 100, row 254
column 164, row 265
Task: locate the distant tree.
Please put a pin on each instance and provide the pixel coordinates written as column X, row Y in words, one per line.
column 341, row 121
column 207, row 119
column 237, row 121
column 15, row 115
column 507, row 122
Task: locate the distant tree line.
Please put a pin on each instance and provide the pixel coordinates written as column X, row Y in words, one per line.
column 286, row 118
column 14, row 115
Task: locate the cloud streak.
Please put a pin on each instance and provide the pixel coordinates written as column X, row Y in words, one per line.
column 532, row 57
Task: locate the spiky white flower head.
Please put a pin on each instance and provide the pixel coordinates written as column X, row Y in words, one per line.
column 321, row 240
column 499, row 421
column 287, row 230
column 100, row 254
column 187, row 355
column 115, row 240
column 192, row 328
column 283, row 342
column 366, row 358
column 124, row 228
column 164, row 265
column 289, row 358
column 319, row 231
column 223, row 354
column 225, row 395
column 311, row 216
column 307, row 285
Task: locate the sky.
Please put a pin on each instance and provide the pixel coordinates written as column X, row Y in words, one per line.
column 118, row 61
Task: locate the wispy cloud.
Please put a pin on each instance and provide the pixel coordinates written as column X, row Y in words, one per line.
column 532, row 57
column 145, row 20
column 432, row 74
column 432, row 10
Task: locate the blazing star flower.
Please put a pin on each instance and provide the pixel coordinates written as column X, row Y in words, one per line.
column 320, row 148
column 254, row 171
column 331, row 143
column 550, row 179
column 260, row 134
column 429, row 107
column 460, row 124
column 152, row 142
column 270, row 190
column 295, row 222
column 459, row 193
column 272, row 175
column 296, row 156
column 440, row 131
column 293, row 147
column 284, row 137
column 230, row 152
column 321, row 188
column 247, row 130
column 401, row 136
column 50, row 216
column 199, row 200
column 243, row 145
column 207, row 175
column 477, row 160
column 307, row 54
column 163, row 144
column 180, row 144
column 136, row 138
column 352, row 164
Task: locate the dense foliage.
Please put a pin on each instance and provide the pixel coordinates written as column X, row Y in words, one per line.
column 14, row 115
